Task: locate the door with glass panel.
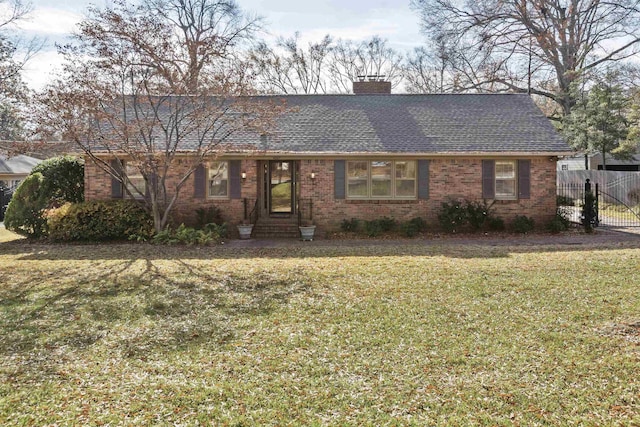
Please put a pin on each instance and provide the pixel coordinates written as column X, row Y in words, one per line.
column 281, row 186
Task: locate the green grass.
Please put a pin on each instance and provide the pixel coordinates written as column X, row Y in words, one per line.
column 372, row 335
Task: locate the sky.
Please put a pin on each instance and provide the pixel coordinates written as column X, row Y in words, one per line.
column 357, row 20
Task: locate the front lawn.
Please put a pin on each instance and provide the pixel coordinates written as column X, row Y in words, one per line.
column 436, row 334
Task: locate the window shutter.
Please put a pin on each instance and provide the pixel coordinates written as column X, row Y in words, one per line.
column 339, row 179
column 524, row 179
column 235, row 180
column 199, row 182
column 488, row 179
column 116, row 186
column 423, row 179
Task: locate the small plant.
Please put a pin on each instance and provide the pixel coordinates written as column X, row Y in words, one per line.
column 387, row 224
column 190, row 236
column 414, row 226
column 372, row 228
column 208, row 215
column 350, row 225
column 495, row 223
column 523, row 224
column 452, row 216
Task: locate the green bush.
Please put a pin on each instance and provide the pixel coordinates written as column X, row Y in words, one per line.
column 63, row 180
column 495, row 223
column 99, row 221
column 209, row 215
column 50, row 184
column 414, row 226
column 523, row 224
column 184, row 235
column 350, row 225
column 560, row 222
column 452, row 216
column 477, row 214
column 25, row 213
column 374, row 227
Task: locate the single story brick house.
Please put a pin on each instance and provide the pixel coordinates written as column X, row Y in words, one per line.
column 374, row 154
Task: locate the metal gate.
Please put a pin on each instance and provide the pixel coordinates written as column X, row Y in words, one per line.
column 617, row 196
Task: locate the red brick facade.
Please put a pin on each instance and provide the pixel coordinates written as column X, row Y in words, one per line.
column 457, row 178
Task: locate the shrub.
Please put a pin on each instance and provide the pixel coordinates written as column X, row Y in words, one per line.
column 414, row 226
column 372, row 228
column 63, row 180
column 523, row 224
column 477, row 214
column 99, row 221
column 209, row 215
column 452, row 216
column 190, row 236
column 50, row 184
column 25, row 213
column 495, row 223
column 350, row 225
column 560, row 221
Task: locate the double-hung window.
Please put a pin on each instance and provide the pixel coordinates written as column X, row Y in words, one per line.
column 218, row 179
column 381, row 179
column 505, row 175
column 135, row 181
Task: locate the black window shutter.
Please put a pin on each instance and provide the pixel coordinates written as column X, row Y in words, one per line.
column 339, row 179
column 488, row 179
column 524, row 179
column 116, row 185
column 199, row 182
column 235, row 180
column 423, row 179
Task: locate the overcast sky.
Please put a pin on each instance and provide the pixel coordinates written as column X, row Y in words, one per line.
column 348, row 19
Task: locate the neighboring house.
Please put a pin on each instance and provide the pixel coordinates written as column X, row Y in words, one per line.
column 15, row 169
column 370, row 155
column 594, row 162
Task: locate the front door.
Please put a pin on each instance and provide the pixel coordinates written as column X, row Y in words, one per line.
column 281, row 186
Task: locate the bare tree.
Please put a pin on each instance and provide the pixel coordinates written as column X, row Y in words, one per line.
column 370, row 57
column 290, row 68
column 536, row 46
column 135, row 95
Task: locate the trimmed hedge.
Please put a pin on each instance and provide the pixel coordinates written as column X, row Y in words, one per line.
column 24, row 214
column 100, row 221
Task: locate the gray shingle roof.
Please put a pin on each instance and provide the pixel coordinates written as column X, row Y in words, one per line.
column 454, row 123
column 19, row 165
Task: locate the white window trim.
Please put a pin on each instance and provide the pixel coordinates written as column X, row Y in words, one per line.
column 394, row 181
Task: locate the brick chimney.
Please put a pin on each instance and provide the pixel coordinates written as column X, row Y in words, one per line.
column 367, row 85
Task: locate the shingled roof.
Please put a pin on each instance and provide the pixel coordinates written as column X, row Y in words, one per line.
column 429, row 124
column 440, row 124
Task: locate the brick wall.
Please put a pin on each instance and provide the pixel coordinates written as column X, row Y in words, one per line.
column 448, row 178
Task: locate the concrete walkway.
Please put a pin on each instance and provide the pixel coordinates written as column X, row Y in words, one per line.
column 608, row 237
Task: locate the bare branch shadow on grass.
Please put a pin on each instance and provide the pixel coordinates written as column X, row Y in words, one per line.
column 450, row 248
column 130, row 314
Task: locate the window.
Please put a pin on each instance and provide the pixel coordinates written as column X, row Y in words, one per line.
column 135, row 182
column 506, row 179
column 218, row 179
column 381, row 179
